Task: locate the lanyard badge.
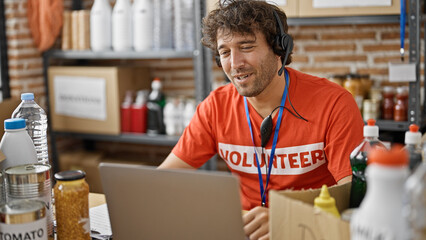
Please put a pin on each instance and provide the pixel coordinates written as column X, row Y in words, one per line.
column 274, row 143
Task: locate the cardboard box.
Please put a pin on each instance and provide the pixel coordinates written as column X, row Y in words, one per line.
column 306, row 9
column 88, row 99
column 290, row 8
column 7, row 106
column 292, row 215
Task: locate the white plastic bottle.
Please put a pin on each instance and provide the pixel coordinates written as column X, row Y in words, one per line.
column 16, row 144
column 100, row 26
column 36, row 123
column 142, row 25
column 415, row 204
column 188, row 112
column 122, row 26
column 380, row 214
column 413, row 142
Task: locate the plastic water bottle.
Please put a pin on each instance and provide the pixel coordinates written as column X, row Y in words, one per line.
column 188, row 112
column 413, row 142
column 100, row 26
column 358, row 158
column 16, row 144
column 163, row 24
column 380, row 215
column 156, row 103
column 122, row 39
column 36, row 122
column 415, row 204
column 142, row 25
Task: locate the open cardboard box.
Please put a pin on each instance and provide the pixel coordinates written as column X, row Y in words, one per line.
column 293, row 216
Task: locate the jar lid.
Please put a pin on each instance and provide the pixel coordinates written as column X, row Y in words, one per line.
column 70, row 175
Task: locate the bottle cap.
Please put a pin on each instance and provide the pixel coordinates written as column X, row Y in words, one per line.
column 70, row 175
column 156, row 84
column 27, row 96
column 413, row 136
column 397, row 156
column 371, row 130
column 14, row 123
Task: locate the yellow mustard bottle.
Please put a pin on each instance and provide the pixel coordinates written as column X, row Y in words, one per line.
column 71, row 193
column 325, row 202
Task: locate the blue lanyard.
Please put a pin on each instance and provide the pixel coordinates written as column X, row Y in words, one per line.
column 274, row 142
column 402, row 28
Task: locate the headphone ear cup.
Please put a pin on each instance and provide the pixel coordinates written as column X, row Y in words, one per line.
column 218, row 63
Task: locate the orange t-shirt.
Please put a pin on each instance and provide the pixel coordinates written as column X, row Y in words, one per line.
column 308, row 154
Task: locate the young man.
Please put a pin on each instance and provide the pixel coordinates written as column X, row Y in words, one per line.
column 316, row 131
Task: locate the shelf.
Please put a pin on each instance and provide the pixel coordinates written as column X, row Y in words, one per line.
column 343, row 20
column 160, row 54
column 389, row 125
column 162, row 140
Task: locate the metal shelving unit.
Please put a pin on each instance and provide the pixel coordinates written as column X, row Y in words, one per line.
column 201, row 59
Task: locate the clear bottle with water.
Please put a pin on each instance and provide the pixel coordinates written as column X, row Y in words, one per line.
column 36, row 121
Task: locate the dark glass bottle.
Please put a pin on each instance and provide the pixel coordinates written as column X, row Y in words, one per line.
column 358, row 158
column 155, row 105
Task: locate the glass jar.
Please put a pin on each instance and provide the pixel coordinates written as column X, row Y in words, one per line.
column 388, row 102
column 353, row 85
column 401, row 108
column 71, row 194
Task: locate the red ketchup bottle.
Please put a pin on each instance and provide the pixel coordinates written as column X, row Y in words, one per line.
column 139, row 113
column 125, row 113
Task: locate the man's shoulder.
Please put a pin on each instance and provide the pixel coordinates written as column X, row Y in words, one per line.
column 224, row 92
column 317, row 85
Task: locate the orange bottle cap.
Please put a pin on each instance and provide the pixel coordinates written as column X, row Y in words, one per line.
column 397, row 156
column 371, row 122
column 414, row 128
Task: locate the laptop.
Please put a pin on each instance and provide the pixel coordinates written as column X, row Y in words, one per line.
column 148, row 203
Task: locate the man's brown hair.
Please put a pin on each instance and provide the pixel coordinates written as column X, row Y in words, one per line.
column 244, row 17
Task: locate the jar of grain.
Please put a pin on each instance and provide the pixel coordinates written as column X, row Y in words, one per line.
column 71, row 193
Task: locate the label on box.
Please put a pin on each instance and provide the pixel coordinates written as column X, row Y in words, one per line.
column 350, row 3
column 82, row 97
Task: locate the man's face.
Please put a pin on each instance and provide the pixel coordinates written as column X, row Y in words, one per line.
column 248, row 61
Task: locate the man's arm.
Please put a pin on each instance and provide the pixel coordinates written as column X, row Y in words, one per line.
column 172, row 161
column 344, row 180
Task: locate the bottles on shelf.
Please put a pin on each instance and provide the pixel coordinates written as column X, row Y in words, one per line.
column 156, row 103
column 125, row 113
column 100, row 26
column 36, row 123
column 139, row 112
column 122, row 39
column 142, row 24
column 358, row 158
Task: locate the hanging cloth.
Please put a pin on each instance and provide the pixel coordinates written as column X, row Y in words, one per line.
column 45, row 21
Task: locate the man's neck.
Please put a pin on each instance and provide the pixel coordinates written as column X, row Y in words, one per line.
column 269, row 98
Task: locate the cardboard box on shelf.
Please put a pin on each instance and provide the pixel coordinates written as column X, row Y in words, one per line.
column 7, row 107
column 87, row 99
column 307, row 9
column 293, row 216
